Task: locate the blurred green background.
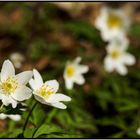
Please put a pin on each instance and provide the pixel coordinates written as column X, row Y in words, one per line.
column 50, row 34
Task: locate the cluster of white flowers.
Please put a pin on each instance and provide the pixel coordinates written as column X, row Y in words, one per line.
column 13, row 89
column 113, row 24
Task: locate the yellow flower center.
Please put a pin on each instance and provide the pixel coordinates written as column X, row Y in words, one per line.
column 114, row 21
column 9, row 86
column 70, row 71
column 115, row 54
column 45, row 91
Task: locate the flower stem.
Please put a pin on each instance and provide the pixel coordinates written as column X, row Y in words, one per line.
column 1, row 107
column 27, row 119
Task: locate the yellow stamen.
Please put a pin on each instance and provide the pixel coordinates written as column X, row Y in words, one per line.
column 70, row 71
column 9, row 86
column 45, row 91
column 114, row 21
column 115, row 54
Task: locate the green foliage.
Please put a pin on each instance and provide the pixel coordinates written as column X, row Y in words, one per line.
column 107, row 106
column 83, row 30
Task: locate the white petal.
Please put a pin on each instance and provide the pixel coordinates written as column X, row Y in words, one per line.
column 38, row 79
column 129, row 59
column 24, row 77
column 138, row 131
column 79, row 79
column 100, row 22
column 109, row 64
column 55, row 104
column 14, row 103
column 32, row 84
column 15, row 117
column 53, row 84
column 3, row 116
column 40, row 99
column 7, row 70
column 69, row 83
column 121, row 69
column 22, row 93
column 82, row 69
column 58, row 97
column 77, row 60
column 59, row 105
column 6, row 100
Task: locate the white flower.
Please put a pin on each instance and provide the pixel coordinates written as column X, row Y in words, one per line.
column 113, row 23
column 12, row 87
column 138, row 131
column 14, row 117
column 46, row 92
column 73, row 73
column 17, row 59
column 71, row 5
column 117, row 58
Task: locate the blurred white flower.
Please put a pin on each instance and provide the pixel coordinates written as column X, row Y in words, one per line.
column 74, row 73
column 71, row 5
column 46, row 92
column 138, row 131
column 17, row 59
column 113, row 23
column 14, row 117
column 12, row 87
column 117, row 58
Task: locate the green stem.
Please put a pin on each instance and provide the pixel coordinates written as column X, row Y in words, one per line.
column 1, row 107
column 27, row 119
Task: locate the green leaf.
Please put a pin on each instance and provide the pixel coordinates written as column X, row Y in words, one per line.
column 126, row 105
column 38, row 115
column 46, row 129
column 28, row 133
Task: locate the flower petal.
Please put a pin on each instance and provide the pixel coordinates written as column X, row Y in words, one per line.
column 109, row 64
column 82, row 69
column 24, row 77
column 77, row 60
column 53, row 84
column 40, row 99
column 14, row 102
column 6, row 100
column 129, row 59
column 138, row 131
column 58, row 97
column 68, row 83
column 59, row 105
column 54, row 104
column 121, row 69
column 38, row 79
column 3, row 116
column 32, row 84
column 7, row 70
column 79, row 79
column 15, row 117
column 22, row 93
